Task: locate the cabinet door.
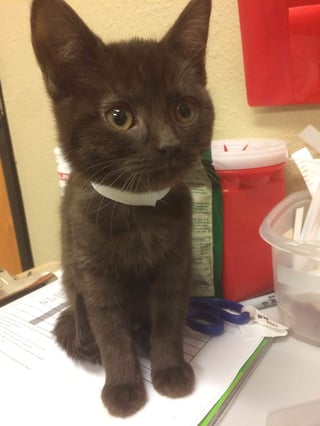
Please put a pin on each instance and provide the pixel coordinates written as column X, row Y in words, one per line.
column 9, row 252
column 15, row 248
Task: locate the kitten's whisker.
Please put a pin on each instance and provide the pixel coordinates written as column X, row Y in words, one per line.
column 129, row 184
column 111, row 221
column 138, row 183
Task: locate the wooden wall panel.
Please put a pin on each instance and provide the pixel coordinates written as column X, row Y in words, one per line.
column 9, row 252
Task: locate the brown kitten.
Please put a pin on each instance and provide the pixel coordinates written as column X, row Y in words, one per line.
column 133, row 117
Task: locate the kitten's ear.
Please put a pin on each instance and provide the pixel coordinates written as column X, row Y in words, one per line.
column 67, row 51
column 188, row 36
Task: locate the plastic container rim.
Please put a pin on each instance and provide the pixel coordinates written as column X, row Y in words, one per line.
column 302, row 248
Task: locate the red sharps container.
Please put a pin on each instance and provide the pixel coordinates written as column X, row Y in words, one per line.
column 252, row 175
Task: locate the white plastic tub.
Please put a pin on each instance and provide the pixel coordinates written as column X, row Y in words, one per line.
column 296, row 269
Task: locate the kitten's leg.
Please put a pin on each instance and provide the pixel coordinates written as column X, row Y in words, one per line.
column 74, row 334
column 123, row 393
column 171, row 374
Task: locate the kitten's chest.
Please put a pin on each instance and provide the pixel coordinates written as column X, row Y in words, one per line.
column 129, row 240
column 148, row 240
column 145, row 248
column 147, row 237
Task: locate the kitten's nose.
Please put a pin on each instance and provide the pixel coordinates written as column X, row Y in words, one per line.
column 169, row 148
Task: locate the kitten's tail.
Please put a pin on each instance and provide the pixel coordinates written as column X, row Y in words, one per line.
column 79, row 346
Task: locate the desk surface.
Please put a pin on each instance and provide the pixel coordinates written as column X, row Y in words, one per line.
column 289, row 374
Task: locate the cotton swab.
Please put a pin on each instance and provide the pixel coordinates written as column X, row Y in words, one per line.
column 311, row 224
column 311, row 136
column 298, row 220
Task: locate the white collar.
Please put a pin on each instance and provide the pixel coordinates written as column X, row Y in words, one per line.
column 149, row 198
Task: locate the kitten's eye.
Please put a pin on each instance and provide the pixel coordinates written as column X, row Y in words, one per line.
column 185, row 111
column 120, row 118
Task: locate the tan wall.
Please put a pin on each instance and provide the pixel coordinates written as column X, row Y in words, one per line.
column 32, row 126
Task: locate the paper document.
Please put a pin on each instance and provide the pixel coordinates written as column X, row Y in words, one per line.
column 41, row 385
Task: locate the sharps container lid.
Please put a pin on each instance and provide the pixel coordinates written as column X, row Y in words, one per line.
column 235, row 154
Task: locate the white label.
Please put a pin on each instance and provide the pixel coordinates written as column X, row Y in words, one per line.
column 261, row 324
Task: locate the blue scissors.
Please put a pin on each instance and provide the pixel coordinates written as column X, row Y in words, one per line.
column 208, row 314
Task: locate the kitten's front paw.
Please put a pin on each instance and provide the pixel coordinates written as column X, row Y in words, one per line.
column 123, row 400
column 174, row 382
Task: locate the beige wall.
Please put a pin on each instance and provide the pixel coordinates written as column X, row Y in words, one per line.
column 31, row 124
